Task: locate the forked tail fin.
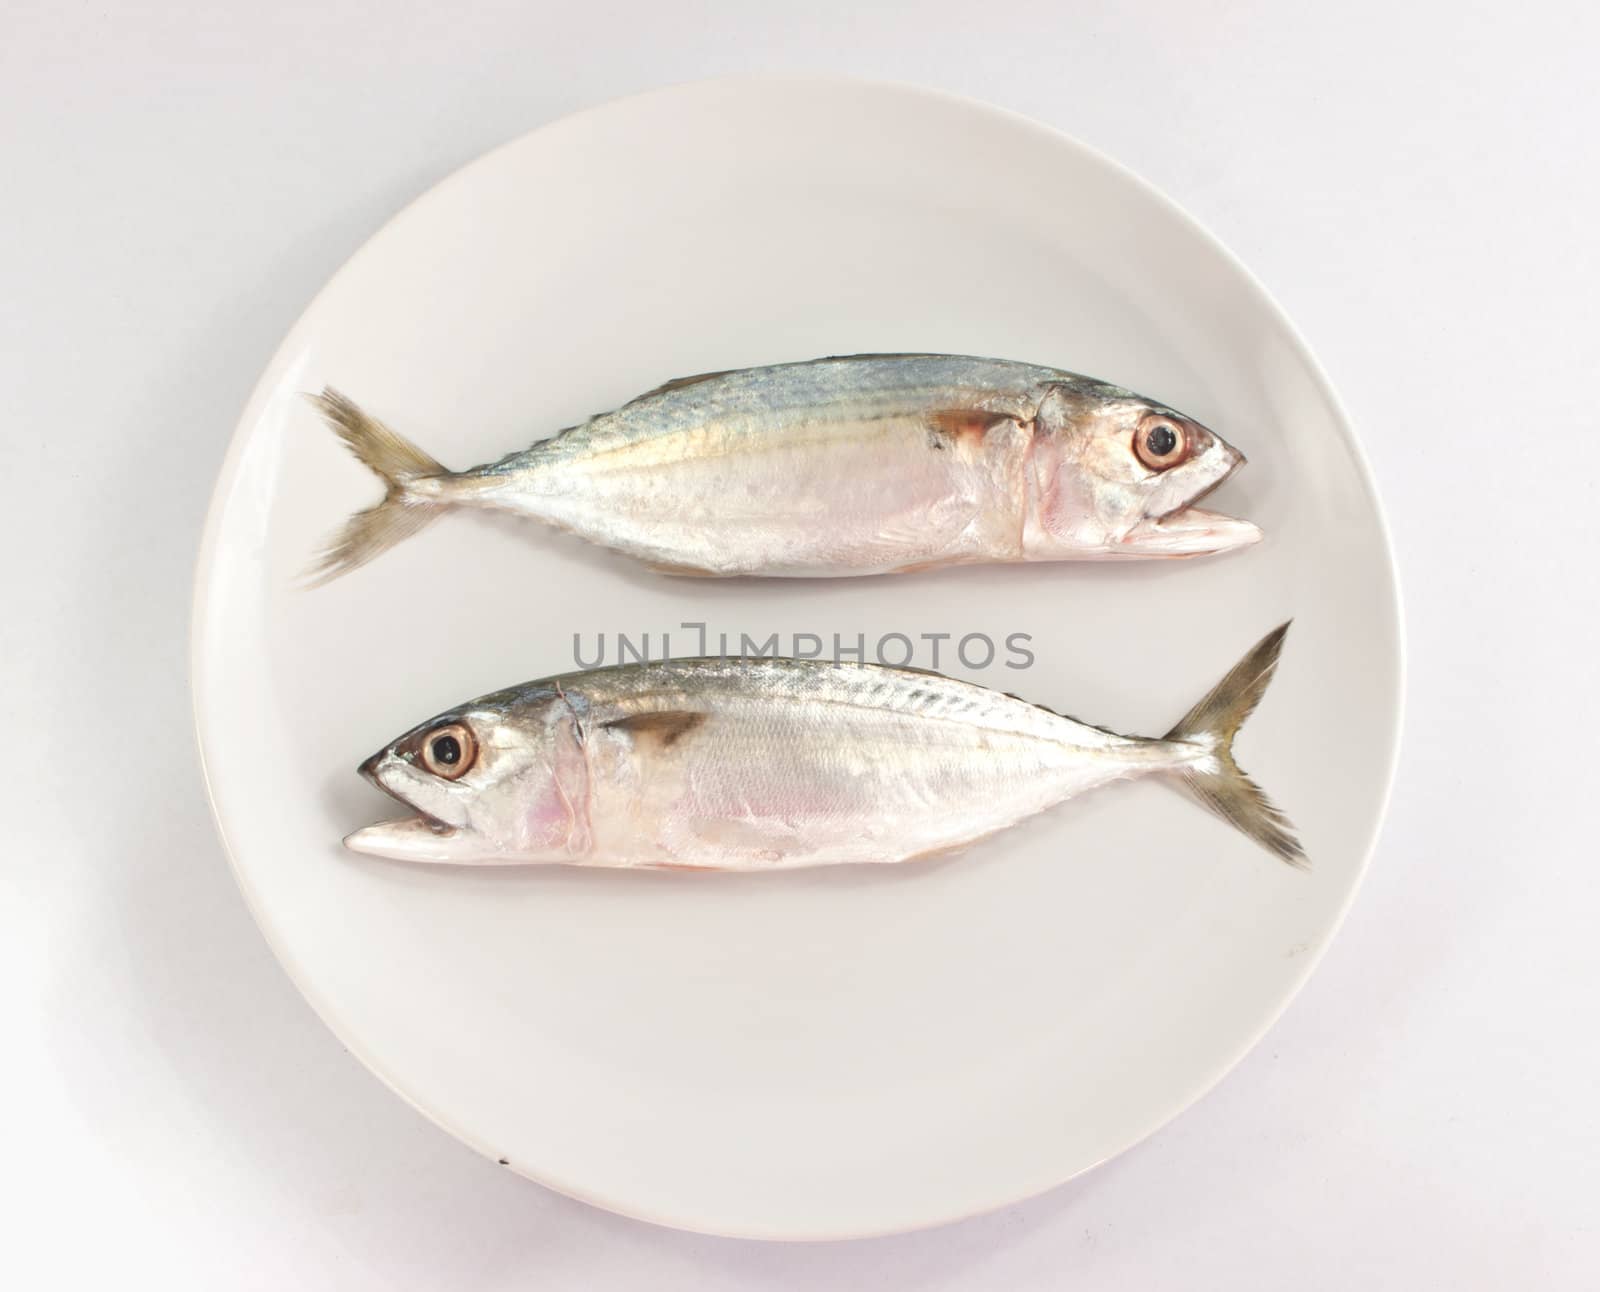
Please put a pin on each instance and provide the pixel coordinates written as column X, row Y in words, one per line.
column 1217, row 782
column 403, row 511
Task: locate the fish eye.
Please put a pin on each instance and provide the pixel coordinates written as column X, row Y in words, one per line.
column 1161, row 443
column 450, row 750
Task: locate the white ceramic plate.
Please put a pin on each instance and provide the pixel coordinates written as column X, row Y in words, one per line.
column 819, row 1053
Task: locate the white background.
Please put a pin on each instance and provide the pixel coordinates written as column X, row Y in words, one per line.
column 1416, row 184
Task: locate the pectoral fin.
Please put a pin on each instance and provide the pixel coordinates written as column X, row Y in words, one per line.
column 949, row 427
column 662, row 729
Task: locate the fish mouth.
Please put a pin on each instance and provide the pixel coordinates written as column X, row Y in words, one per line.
column 412, row 838
column 419, row 837
column 1188, row 531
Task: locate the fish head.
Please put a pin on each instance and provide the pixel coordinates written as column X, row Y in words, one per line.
column 503, row 778
column 1116, row 474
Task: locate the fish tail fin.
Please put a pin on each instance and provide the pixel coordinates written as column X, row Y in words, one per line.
column 404, row 510
column 1217, row 781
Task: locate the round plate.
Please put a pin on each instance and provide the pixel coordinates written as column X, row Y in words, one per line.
column 818, row 1053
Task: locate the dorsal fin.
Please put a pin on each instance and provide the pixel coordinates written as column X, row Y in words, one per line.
column 1056, row 713
column 678, row 383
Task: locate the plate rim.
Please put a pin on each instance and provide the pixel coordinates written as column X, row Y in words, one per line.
column 231, row 467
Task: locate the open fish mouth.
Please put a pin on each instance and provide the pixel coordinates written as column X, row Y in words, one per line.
column 418, row 837
column 1188, row 531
